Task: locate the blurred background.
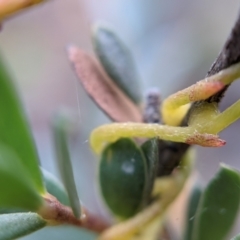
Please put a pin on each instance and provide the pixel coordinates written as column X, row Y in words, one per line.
column 174, row 43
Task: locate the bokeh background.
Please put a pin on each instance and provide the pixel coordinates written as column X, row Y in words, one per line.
column 174, row 43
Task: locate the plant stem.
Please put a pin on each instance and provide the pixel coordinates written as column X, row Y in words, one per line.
column 228, row 56
column 12, row 6
column 55, row 214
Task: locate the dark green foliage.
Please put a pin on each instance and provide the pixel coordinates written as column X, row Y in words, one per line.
column 150, row 150
column 218, row 206
column 191, row 211
column 123, row 176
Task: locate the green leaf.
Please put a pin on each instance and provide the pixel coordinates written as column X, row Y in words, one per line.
column 150, row 150
column 16, row 187
column 16, row 225
column 62, row 233
column 117, row 61
column 218, row 206
column 123, row 177
column 63, row 126
column 55, row 187
column 191, row 211
column 14, row 129
column 236, row 237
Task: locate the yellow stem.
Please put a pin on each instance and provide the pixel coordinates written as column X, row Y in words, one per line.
column 224, row 119
column 108, row 133
column 173, row 109
column 8, row 7
column 105, row 134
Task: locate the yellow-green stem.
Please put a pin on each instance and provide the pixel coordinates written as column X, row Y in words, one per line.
column 9, row 7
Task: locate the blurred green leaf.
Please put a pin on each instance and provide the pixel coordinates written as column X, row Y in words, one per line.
column 218, row 206
column 117, row 61
column 150, row 150
column 16, row 187
column 55, row 187
column 63, row 126
column 16, row 225
column 236, row 237
column 62, row 233
column 14, row 129
column 123, row 177
column 191, row 211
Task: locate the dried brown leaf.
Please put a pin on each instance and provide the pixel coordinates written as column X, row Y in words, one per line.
column 101, row 89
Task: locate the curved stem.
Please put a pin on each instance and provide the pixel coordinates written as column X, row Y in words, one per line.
column 224, row 119
column 201, row 90
column 109, row 133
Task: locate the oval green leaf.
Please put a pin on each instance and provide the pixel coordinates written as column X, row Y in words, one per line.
column 17, row 190
column 15, row 225
column 123, row 177
column 63, row 126
column 191, row 211
column 218, row 206
column 14, row 129
column 55, row 187
column 117, row 61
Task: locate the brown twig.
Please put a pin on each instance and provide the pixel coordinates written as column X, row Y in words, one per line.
column 55, row 213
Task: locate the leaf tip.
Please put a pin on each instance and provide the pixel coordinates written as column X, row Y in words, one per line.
column 100, row 26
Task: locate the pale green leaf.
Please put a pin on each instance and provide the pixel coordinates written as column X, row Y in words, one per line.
column 236, row 237
column 15, row 225
column 117, row 61
column 62, row 128
column 55, row 187
column 62, row 233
